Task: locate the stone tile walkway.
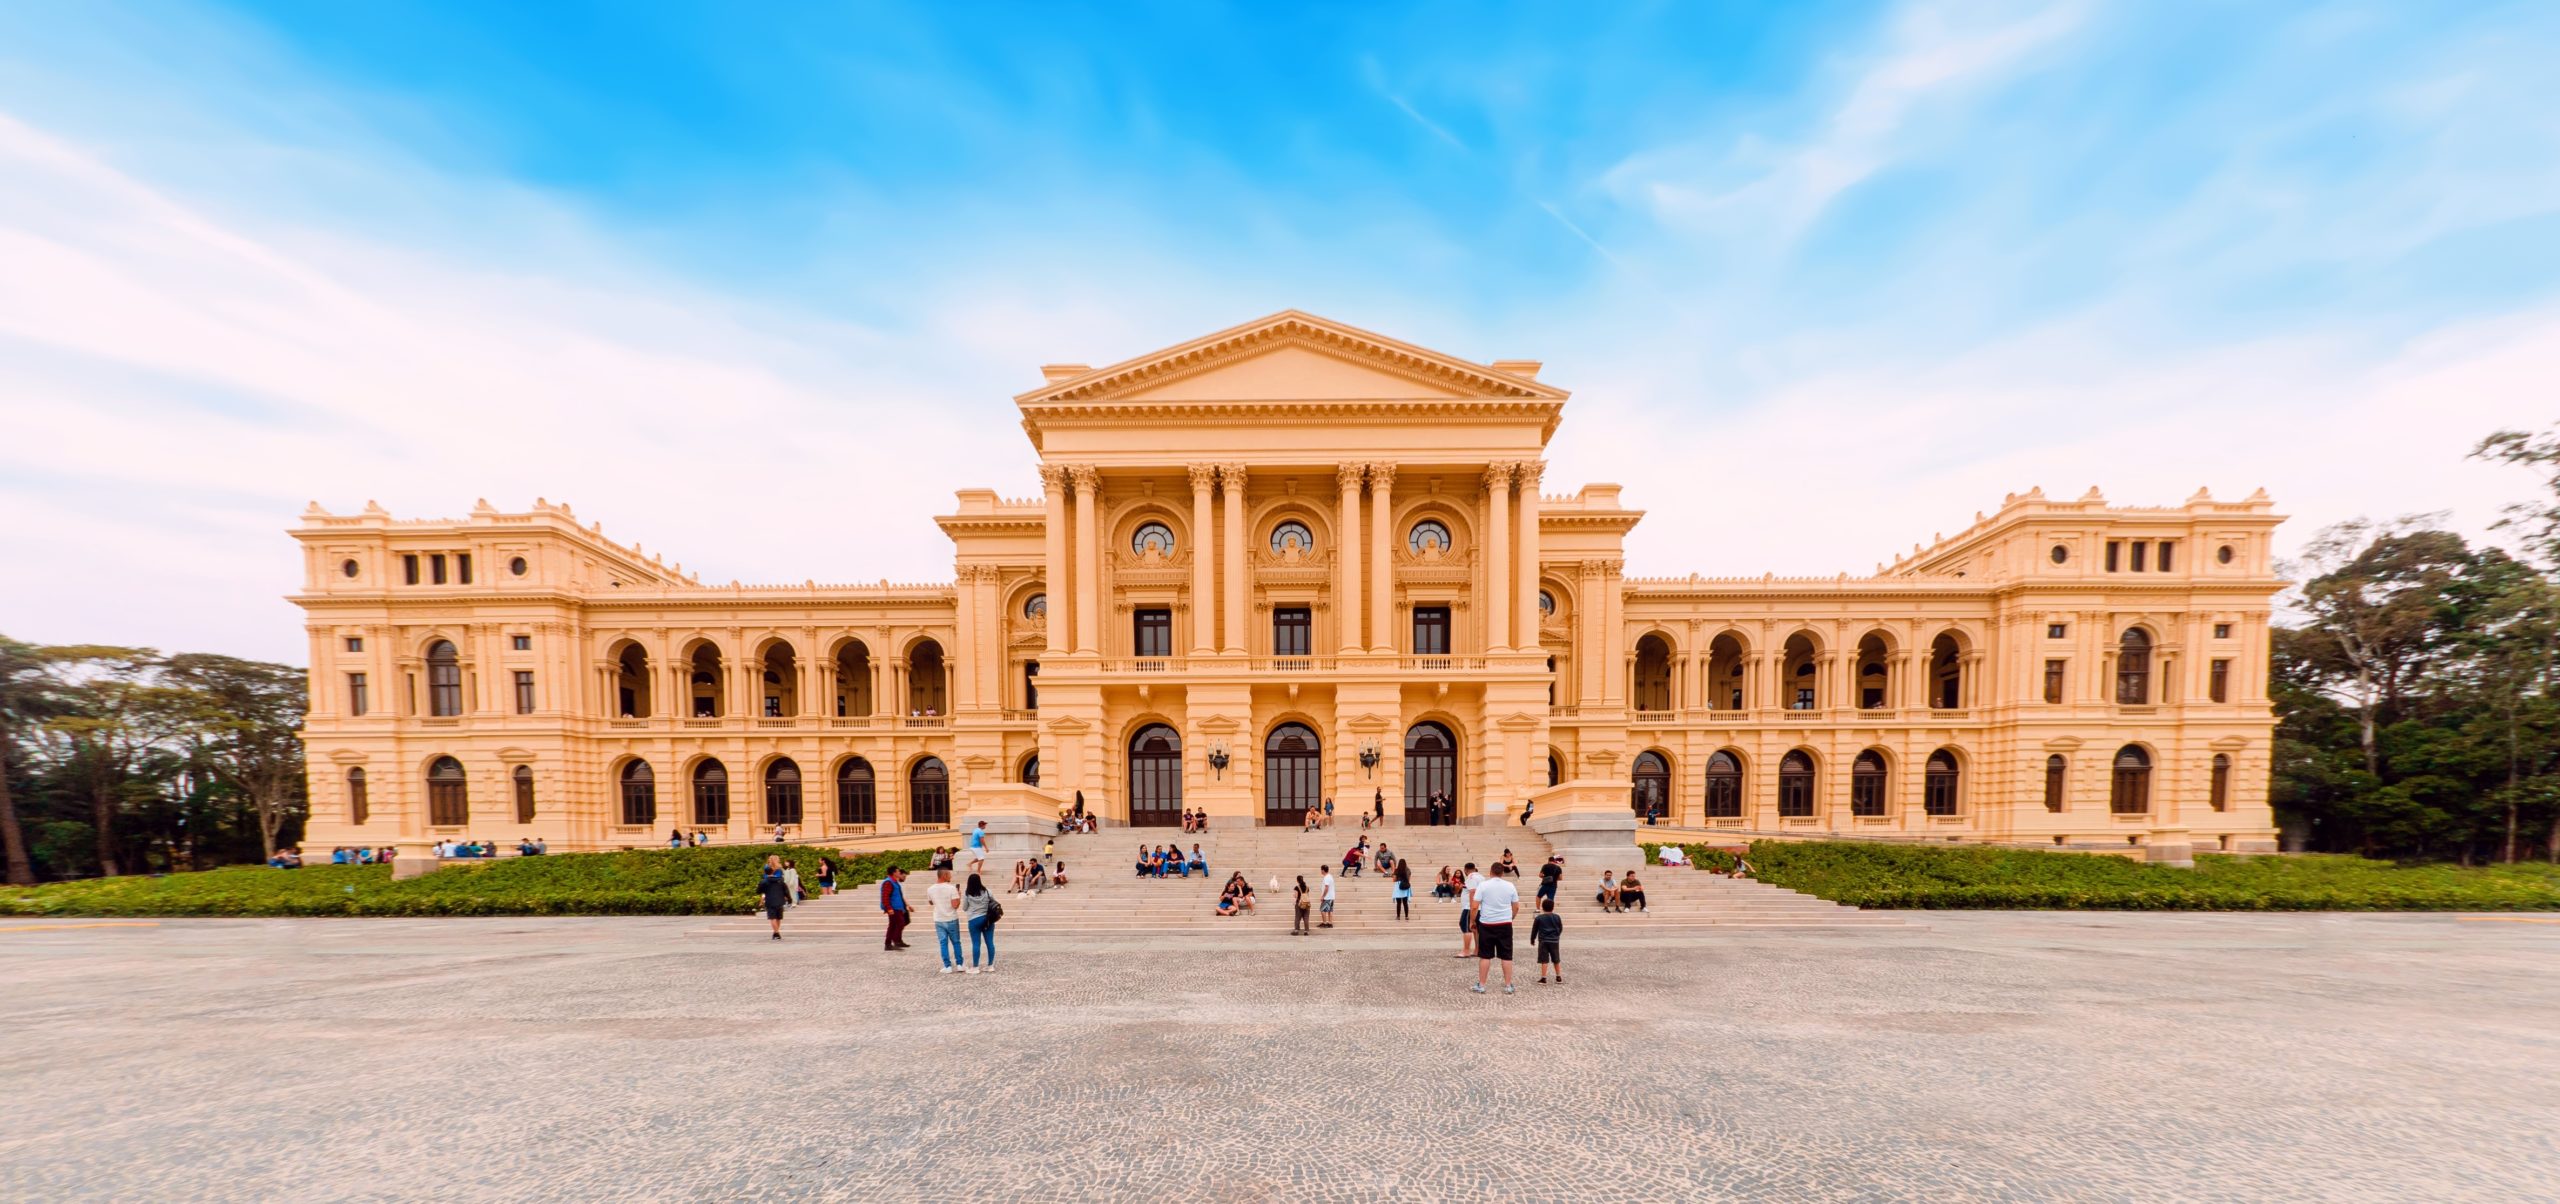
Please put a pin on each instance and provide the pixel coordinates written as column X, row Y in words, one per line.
column 2028, row 1057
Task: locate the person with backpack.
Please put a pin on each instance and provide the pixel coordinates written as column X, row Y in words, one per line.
column 1299, row 928
column 980, row 905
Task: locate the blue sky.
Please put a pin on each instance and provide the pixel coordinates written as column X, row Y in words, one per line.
column 753, row 283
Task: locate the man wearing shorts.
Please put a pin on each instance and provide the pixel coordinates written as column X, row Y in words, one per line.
column 1494, row 900
column 1466, row 912
column 1324, row 902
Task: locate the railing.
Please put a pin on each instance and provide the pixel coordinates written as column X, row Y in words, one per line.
column 1020, row 714
column 917, row 721
column 854, row 721
column 632, row 724
column 772, row 721
column 702, row 723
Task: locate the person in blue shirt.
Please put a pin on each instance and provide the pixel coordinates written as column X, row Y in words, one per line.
column 893, row 902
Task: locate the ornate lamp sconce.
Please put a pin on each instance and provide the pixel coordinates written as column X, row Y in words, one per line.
column 1369, row 757
column 1218, row 760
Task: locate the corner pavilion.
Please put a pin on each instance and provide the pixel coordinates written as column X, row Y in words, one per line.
column 1285, row 562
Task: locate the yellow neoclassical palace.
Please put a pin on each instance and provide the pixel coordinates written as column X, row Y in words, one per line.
column 1287, row 562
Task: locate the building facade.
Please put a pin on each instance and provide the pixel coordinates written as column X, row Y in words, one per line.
column 1289, row 562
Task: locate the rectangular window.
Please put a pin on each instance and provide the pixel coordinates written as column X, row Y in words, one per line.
column 357, row 703
column 1290, row 632
column 2165, row 550
column 521, row 643
column 1804, row 698
column 462, row 567
column 355, row 643
column 1154, row 634
column 2113, row 548
column 2140, row 548
column 409, row 567
column 1431, row 631
column 435, row 567
column 2222, row 631
column 2053, row 680
column 2054, row 767
column 524, row 691
column 2056, row 631
column 1030, row 691
column 2219, row 678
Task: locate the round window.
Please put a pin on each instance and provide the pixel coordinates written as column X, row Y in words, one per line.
column 1428, row 537
column 349, row 568
column 2223, row 553
column 1153, row 539
column 1546, row 603
column 1036, row 606
column 516, row 566
column 1292, row 538
column 2060, row 553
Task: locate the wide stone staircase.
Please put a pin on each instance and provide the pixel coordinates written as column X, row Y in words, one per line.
column 1105, row 897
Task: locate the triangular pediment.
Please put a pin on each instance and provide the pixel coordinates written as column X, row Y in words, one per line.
column 1290, row 357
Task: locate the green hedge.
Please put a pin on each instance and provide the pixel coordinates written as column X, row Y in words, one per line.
column 1702, row 857
column 707, row 881
column 1918, row 876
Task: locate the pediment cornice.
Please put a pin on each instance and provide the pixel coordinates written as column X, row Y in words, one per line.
column 1476, row 383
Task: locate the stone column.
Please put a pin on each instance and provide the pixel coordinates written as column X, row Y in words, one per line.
column 1204, row 564
column 1498, row 586
column 1382, row 558
column 1524, row 566
column 1055, row 583
column 1613, row 593
column 1231, row 480
column 1591, row 651
column 1089, row 600
column 964, row 640
column 1346, row 600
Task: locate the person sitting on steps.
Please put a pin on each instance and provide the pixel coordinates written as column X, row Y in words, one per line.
column 1609, row 892
column 1630, row 891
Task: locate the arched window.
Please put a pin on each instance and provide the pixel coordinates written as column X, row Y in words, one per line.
column 1030, row 685
column 1653, row 674
column 926, row 680
column 2221, row 787
column 702, row 682
column 639, row 795
column 781, row 679
column 1803, row 681
column 1430, row 768
column 359, row 808
column 782, row 792
column 1155, row 777
column 1546, row 604
column 631, row 682
column 1795, row 786
column 853, row 679
column 1946, row 673
column 1724, row 787
column 1940, row 794
column 857, row 798
column 1555, row 767
column 1152, row 539
column 1036, row 607
column 524, row 793
column 1651, row 794
column 444, row 679
column 447, row 806
column 2056, row 772
column 2133, row 667
column 1875, row 673
column 1292, row 539
column 1429, row 538
column 2131, row 792
column 1292, row 774
column 1866, row 784
column 1030, row 775
column 929, row 794
column 711, row 794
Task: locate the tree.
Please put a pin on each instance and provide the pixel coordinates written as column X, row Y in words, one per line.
column 120, row 714
column 27, row 697
column 2534, row 675
column 250, row 737
column 2375, row 591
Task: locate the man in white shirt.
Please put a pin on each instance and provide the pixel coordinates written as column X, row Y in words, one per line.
column 1325, row 901
column 946, row 918
column 1494, row 900
column 1467, row 911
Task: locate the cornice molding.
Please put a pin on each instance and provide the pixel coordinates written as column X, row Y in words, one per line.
column 1285, row 328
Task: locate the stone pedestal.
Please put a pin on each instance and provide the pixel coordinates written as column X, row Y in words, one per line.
column 2169, row 846
column 414, row 860
column 1019, row 819
column 1590, row 823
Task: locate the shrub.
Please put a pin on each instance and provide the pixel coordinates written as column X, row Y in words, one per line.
column 1914, row 876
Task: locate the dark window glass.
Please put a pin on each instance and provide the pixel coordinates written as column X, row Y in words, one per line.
column 355, row 643
column 2222, row 631
column 444, row 679
column 516, row 566
column 1939, row 786
column 435, row 567
column 2053, row 671
column 711, row 794
column 1155, row 632
column 524, row 794
column 1724, row 787
column 357, row 702
column 2114, row 549
column 521, row 643
column 782, row 792
column 409, row 567
column 2167, row 548
column 929, row 795
column 1431, row 631
column 1290, row 632
column 462, row 567
column 2219, row 681
column 359, row 808
column 1795, row 786
column 2055, row 631
column 349, row 567
column 1651, row 794
column 2060, row 553
column 524, row 691
column 2141, row 548
column 1031, row 686
column 639, row 795
column 2223, row 553
column 2130, row 793
column 1866, row 785
column 446, row 805
column 2133, row 668
column 857, row 798
column 2221, row 794
column 2054, row 770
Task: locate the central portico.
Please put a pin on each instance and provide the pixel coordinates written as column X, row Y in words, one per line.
column 1234, row 616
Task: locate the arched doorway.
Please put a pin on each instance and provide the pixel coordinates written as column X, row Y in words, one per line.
column 1155, row 777
column 1866, row 784
column 446, row 805
column 929, row 795
column 710, row 794
column 857, row 795
column 1292, row 775
column 782, row 792
column 1652, row 791
column 1724, row 786
column 1430, row 767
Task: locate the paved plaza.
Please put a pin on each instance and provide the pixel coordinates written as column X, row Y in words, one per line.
column 2030, row 1057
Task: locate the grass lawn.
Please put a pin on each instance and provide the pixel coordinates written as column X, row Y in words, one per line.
column 1916, row 876
column 705, row 881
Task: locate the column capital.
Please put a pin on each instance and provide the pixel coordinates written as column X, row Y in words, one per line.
column 1232, row 476
column 1528, row 473
column 1382, row 476
column 1087, row 479
column 1203, row 477
column 1054, row 478
column 1497, row 476
column 1348, row 476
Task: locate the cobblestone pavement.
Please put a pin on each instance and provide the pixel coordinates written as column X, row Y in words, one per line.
column 2029, row 1057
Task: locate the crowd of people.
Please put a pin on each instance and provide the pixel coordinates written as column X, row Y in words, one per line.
column 1163, row 861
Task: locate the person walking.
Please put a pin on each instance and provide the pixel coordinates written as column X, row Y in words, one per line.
column 1325, row 902
column 1545, row 934
column 946, row 918
column 981, row 905
column 1494, row 900
column 977, row 858
column 1299, row 905
column 826, row 875
column 1467, row 910
column 893, row 903
column 791, row 878
column 1378, row 800
column 1550, row 876
column 776, row 892
column 1404, row 890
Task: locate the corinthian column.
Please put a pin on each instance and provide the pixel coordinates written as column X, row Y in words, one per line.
column 1053, row 486
column 1231, row 480
column 1346, row 594
column 1204, row 564
column 1525, row 569
column 1498, row 587
column 1382, row 559
column 1089, row 599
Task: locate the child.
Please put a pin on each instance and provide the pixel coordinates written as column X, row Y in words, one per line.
column 1544, row 934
